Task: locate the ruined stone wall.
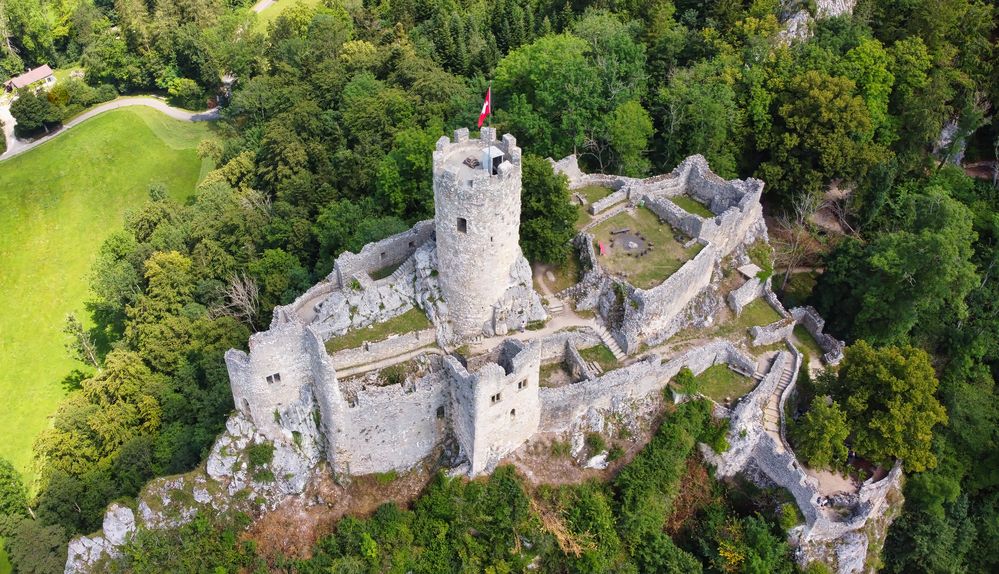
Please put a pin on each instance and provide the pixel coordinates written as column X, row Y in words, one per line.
column 369, row 353
column 279, row 352
column 750, row 291
column 810, row 319
column 563, row 406
column 656, row 312
column 676, row 217
column 392, row 427
column 477, row 223
column 381, row 254
column 496, row 409
column 606, row 202
column 772, row 333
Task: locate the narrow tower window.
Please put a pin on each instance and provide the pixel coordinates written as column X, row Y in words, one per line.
column 462, row 225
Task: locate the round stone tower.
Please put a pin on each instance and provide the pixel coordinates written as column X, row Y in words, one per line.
column 477, row 220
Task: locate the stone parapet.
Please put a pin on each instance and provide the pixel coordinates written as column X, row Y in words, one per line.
column 381, row 350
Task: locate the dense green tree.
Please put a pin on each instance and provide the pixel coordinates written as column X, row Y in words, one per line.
column 696, row 112
column 13, row 499
column 547, row 216
column 404, row 183
column 822, row 131
column 629, row 128
column 280, row 276
column 888, row 395
column 37, row 548
column 820, row 435
column 34, row 112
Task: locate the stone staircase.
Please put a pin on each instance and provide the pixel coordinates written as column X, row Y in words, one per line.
column 406, row 268
column 555, row 307
column 771, row 412
column 610, row 342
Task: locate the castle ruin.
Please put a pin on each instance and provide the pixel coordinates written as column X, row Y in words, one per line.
column 433, row 346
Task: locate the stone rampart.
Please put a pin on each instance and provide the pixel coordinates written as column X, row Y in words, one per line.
column 563, row 406
column 657, row 312
column 381, row 350
column 382, row 254
column 810, row 319
column 393, row 427
column 607, row 202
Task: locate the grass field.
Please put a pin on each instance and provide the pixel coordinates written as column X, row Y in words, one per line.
column 653, row 268
column 691, row 205
column 57, row 204
column 274, row 10
column 412, row 320
column 719, row 382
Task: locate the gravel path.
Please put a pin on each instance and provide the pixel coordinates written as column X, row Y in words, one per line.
column 17, row 146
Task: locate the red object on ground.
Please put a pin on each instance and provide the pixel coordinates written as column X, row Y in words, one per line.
column 602, row 250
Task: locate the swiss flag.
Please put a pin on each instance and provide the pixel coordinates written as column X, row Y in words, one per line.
column 486, row 107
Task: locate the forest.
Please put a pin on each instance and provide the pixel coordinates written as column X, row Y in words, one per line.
column 328, row 120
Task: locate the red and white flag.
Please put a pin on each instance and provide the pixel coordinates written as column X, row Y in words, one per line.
column 486, row 107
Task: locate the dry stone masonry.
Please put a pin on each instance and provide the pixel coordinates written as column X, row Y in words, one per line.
column 337, row 409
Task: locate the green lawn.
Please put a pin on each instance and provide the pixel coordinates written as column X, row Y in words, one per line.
column 600, row 355
column 591, row 193
column 691, row 205
column 653, row 268
column 413, row 320
column 806, row 342
column 719, row 382
column 57, row 204
column 274, row 10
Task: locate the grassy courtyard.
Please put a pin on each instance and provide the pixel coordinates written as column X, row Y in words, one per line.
column 667, row 254
column 719, row 382
column 57, row 204
column 591, row 193
column 691, row 205
column 412, row 320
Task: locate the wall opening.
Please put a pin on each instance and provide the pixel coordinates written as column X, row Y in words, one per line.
column 275, row 378
column 495, row 398
column 513, row 412
column 521, row 384
column 383, row 256
column 462, row 225
column 440, row 412
column 412, row 244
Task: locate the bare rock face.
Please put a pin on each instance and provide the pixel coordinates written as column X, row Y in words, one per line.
column 796, row 17
column 119, row 524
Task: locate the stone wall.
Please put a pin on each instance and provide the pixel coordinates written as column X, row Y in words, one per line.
column 381, row 350
column 677, row 218
column 606, row 202
column 772, row 333
column 393, row 427
column 748, row 292
column 656, row 312
column 564, row 406
column 810, row 319
column 496, row 409
column 382, row 254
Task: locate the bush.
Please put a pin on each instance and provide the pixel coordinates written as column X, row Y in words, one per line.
column 789, row 516
column 715, row 435
column 595, row 443
column 105, row 93
column 561, row 448
column 185, row 93
column 393, row 375
column 686, row 382
column 260, row 454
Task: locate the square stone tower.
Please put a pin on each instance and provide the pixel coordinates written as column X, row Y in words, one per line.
column 477, row 224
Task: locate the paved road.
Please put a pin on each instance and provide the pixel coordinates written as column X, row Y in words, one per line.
column 16, row 146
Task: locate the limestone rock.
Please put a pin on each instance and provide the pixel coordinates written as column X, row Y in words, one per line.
column 119, row 524
column 598, row 462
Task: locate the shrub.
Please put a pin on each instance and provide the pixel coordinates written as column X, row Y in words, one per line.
column 789, row 516
column 615, row 453
column 595, row 443
column 393, row 375
column 260, row 454
column 561, row 449
column 686, row 382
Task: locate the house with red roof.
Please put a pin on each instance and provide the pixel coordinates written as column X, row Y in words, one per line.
column 40, row 74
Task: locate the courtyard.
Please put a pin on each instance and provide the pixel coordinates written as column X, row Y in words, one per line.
column 638, row 247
